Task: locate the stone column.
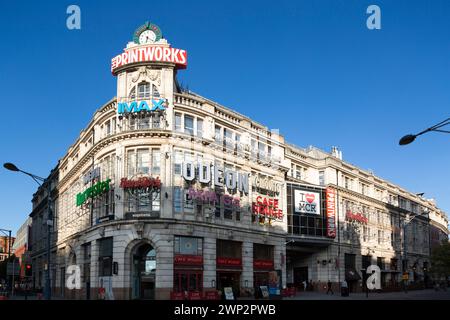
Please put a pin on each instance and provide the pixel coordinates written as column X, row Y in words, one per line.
column 209, row 263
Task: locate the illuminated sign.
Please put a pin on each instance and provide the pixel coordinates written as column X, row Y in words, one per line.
column 135, row 106
column 142, row 182
column 262, row 264
column 220, row 177
column 356, row 217
column 229, row 262
column 213, row 198
column 150, row 53
column 267, row 207
column 92, row 192
column 306, row 202
column 266, row 184
column 331, row 213
column 184, row 259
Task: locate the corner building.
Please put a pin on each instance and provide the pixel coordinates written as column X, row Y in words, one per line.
column 155, row 196
column 166, row 192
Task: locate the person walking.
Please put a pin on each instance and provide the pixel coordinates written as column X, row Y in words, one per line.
column 344, row 289
column 330, row 289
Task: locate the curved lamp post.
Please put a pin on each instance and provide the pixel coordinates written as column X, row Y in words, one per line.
column 411, row 137
column 41, row 181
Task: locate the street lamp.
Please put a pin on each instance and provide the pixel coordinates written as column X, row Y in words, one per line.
column 41, row 181
column 411, row 137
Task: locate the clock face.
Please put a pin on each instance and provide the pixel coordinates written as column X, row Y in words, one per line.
column 148, row 36
column 147, row 33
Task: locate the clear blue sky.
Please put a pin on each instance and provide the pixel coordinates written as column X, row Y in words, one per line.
column 310, row 68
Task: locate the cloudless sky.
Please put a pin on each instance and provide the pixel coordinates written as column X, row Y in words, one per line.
column 310, row 68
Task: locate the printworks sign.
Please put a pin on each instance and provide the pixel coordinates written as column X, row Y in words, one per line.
column 306, row 202
column 331, row 213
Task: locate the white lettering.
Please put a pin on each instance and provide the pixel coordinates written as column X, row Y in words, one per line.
column 74, row 20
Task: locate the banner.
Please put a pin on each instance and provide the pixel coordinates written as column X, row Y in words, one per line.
column 307, row 202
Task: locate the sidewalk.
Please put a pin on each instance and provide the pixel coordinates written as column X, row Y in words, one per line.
column 428, row 294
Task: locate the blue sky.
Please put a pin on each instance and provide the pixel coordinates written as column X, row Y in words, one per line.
column 310, row 68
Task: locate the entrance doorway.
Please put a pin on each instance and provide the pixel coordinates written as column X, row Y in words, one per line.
column 144, row 272
column 300, row 275
column 229, row 279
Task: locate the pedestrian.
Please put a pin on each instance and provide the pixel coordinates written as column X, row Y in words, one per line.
column 330, row 289
column 304, row 285
column 311, row 287
column 344, row 289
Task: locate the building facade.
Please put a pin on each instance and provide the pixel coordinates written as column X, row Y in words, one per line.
column 20, row 247
column 167, row 193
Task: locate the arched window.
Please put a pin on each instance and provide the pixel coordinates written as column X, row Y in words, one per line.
column 133, row 93
column 155, row 91
column 144, row 90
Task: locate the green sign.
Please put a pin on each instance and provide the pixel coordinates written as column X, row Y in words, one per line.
column 97, row 189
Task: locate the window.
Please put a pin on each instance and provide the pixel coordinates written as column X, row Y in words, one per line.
column 228, row 137
column 380, row 236
column 199, row 127
column 156, row 161
column 188, row 245
column 105, row 257
column 380, row 263
column 178, row 160
column 365, row 233
column 230, row 249
column 178, row 122
column 322, row 178
column 189, row 124
column 155, row 91
column 144, row 90
column 138, row 161
column 394, row 264
column 217, row 136
column 177, row 198
column 263, row 252
column 187, row 280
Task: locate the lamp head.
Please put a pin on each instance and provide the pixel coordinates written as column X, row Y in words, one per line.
column 10, row 166
column 407, row 139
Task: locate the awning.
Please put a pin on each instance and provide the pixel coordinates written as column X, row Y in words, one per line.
column 351, row 275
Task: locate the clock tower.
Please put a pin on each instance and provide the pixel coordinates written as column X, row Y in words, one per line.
column 146, row 76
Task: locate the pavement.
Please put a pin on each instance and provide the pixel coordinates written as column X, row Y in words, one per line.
column 429, row 294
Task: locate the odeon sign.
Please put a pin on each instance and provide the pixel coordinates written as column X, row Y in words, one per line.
column 141, row 106
column 219, row 177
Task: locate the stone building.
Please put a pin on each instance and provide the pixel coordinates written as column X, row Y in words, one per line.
column 167, row 193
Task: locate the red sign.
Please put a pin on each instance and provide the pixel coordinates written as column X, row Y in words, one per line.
column 177, row 296
column 263, row 264
column 143, row 182
column 154, row 53
column 188, row 260
column 194, row 295
column 229, row 262
column 331, row 213
column 211, row 295
column 267, row 207
column 356, row 217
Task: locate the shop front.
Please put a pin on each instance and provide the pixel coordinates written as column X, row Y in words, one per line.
column 188, row 266
column 229, row 266
column 262, row 266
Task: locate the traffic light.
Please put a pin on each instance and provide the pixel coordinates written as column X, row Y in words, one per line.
column 28, row 270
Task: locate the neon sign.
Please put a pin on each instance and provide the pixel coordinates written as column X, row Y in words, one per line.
column 211, row 197
column 135, row 106
column 155, row 53
column 267, row 207
column 92, row 192
column 331, row 213
column 143, row 182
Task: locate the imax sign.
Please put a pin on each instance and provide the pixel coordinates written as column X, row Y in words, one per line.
column 138, row 106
